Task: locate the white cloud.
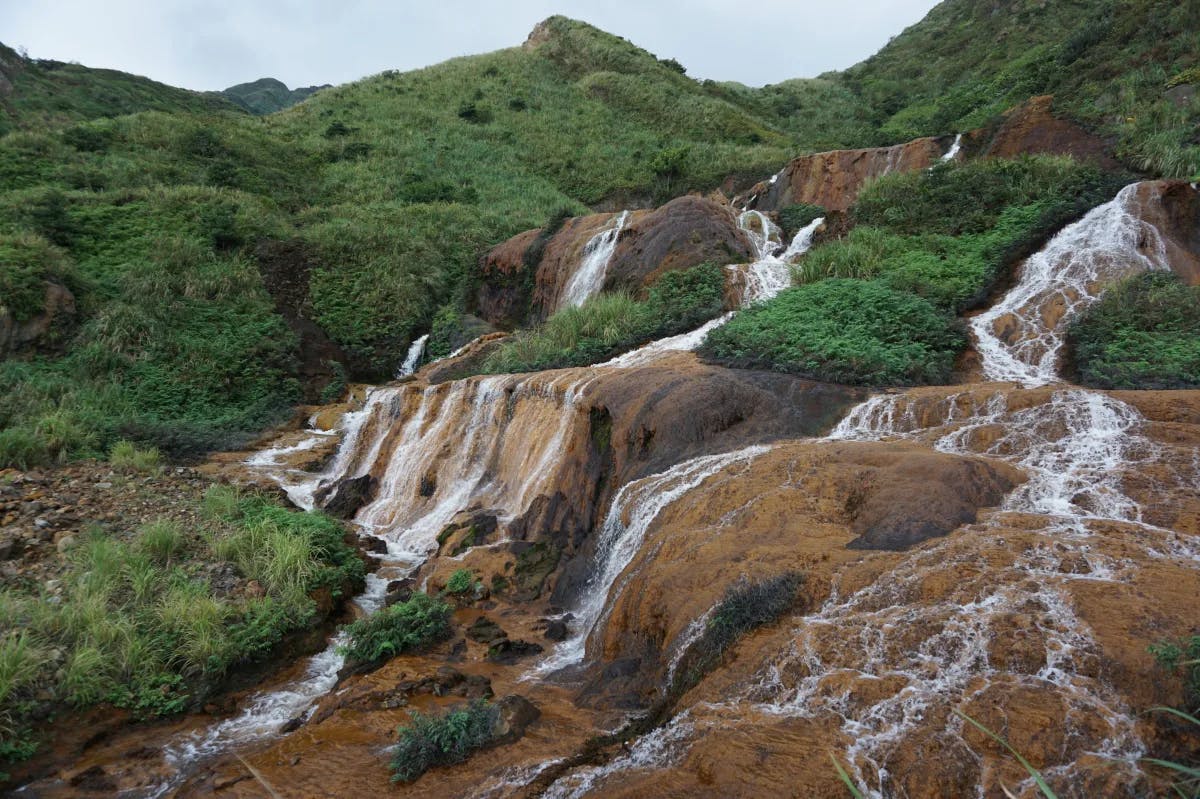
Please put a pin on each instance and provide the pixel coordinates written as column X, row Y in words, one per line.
column 210, row 45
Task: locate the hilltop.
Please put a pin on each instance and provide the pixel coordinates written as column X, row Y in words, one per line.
column 268, row 95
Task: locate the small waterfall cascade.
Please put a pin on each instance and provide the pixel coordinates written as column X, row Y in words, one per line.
column 954, row 150
column 1021, row 337
column 588, row 277
column 415, row 351
column 1074, row 445
column 769, row 274
column 633, row 509
column 435, row 451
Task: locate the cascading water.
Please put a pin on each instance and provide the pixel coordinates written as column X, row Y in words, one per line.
column 769, row 274
column 435, row 467
column 1074, row 445
column 415, row 351
column 635, row 506
column 954, row 150
column 588, row 277
column 1020, row 338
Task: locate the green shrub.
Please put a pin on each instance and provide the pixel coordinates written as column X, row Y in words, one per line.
column 429, row 741
column 27, row 262
column 846, row 331
column 126, row 455
column 1183, row 657
column 1144, row 333
column 399, row 628
column 956, row 197
column 460, row 582
column 746, row 606
column 609, row 324
column 793, row 218
column 162, row 540
column 22, row 449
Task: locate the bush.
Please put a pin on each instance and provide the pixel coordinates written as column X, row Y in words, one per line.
column 399, row 628
column 609, row 324
column 429, row 741
column 127, row 456
column 162, row 540
column 22, row 449
column 846, row 331
column 1144, row 333
column 794, row 218
column 460, row 582
column 955, row 197
column 745, row 607
column 1182, row 656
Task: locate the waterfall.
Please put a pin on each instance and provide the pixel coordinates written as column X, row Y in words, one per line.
column 769, row 274
column 1020, row 337
column 415, row 351
column 588, row 277
column 954, row 150
column 632, row 511
column 1073, row 444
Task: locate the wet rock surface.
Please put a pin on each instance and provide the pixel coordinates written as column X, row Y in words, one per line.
column 524, row 278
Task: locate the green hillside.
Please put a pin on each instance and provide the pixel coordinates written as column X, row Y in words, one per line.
column 1124, row 68
column 268, row 95
column 37, row 93
column 225, row 266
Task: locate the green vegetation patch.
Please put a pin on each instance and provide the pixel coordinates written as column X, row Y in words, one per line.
column 1144, row 333
column 745, row 607
column 403, row 627
column 150, row 622
column 845, row 331
column 428, row 741
column 609, row 324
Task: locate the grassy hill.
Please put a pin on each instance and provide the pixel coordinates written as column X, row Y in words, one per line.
column 37, row 93
column 268, row 95
column 203, row 246
column 1123, row 68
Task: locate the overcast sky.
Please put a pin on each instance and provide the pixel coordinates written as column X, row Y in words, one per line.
column 211, row 44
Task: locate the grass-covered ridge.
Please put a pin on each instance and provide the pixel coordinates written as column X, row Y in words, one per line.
column 1109, row 64
column 52, row 93
column 1144, row 333
column 155, row 621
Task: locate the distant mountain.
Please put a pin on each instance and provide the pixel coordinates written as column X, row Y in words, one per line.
column 36, row 93
column 268, row 95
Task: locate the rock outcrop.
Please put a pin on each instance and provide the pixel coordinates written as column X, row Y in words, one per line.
column 46, row 329
column 1033, row 128
column 523, row 279
column 834, row 179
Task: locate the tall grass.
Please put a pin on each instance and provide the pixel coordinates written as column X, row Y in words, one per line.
column 140, row 630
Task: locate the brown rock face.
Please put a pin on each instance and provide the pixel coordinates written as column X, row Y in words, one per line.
column 502, row 298
column 1176, row 216
column 834, row 179
column 800, row 507
column 44, row 330
column 683, row 233
column 1032, row 128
